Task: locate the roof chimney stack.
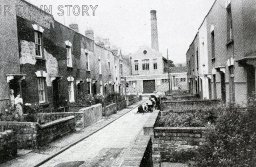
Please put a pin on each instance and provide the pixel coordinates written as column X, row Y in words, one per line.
column 74, row 27
column 89, row 34
column 154, row 32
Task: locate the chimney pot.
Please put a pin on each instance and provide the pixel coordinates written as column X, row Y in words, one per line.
column 74, row 27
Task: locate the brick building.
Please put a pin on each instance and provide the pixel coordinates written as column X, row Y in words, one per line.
column 226, row 47
column 150, row 69
column 50, row 64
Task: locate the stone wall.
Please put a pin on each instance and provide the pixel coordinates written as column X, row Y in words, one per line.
column 83, row 118
column 8, row 145
column 32, row 135
column 110, row 109
column 48, row 117
column 167, row 139
column 92, row 114
column 133, row 99
column 26, row 132
column 55, row 129
column 121, row 105
column 188, row 104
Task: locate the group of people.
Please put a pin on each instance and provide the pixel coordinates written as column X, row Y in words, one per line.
column 150, row 105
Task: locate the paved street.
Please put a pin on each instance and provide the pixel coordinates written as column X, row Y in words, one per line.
column 105, row 146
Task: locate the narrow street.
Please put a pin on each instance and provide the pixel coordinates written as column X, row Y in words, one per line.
column 102, row 148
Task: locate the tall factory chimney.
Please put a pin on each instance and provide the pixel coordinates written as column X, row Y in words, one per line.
column 154, row 33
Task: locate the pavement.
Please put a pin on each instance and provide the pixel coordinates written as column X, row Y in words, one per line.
column 100, row 143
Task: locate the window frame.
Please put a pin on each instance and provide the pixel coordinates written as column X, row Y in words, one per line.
column 136, row 65
column 38, row 44
column 41, row 90
column 145, row 64
column 155, row 64
column 69, row 56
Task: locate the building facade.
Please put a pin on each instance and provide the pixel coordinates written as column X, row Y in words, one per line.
column 150, row 69
column 50, row 64
column 228, row 52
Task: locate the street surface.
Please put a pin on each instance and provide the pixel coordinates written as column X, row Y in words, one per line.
column 105, row 146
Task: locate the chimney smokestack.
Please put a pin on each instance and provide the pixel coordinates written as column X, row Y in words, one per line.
column 74, row 27
column 89, row 34
column 154, row 32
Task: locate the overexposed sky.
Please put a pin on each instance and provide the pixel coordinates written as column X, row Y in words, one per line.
column 127, row 22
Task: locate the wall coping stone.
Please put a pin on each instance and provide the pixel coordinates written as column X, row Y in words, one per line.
column 148, row 128
column 93, row 106
column 184, row 101
column 56, row 122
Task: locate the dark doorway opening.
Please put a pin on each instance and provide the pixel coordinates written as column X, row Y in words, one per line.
column 149, row 86
column 223, row 86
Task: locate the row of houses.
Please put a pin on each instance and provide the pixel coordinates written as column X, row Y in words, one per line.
column 50, row 64
column 221, row 59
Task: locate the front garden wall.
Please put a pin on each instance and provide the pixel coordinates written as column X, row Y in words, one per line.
column 32, row 135
column 8, row 145
column 166, row 140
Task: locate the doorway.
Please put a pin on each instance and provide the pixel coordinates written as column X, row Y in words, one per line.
column 223, row 86
column 149, row 86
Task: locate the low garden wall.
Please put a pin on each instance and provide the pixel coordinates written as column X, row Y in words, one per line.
column 8, row 145
column 168, row 139
column 133, row 99
column 110, row 109
column 32, row 135
column 55, row 129
column 188, row 104
column 83, row 117
column 92, row 114
column 49, row 117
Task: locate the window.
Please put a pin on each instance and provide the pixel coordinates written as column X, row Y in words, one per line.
column 165, row 80
column 89, row 87
column 197, row 59
column 69, row 56
column 71, row 92
column 100, row 70
column 145, row 64
column 229, row 24
column 182, row 79
column 38, row 44
column 213, row 44
column 155, row 64
column 136, row 65
column 121, row 69
column 87, row 61
column 41, row 90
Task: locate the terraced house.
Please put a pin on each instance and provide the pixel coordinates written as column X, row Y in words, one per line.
column 48, row 63
column 221, row 58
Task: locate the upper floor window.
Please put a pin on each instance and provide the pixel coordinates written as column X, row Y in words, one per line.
column 121, row 69
column 155, row 64
column 69, row 56
column 136, row 65
column 41, row 90
column 109, row 65
column 213, row 44
column 100, row 70
column 182, row 79
column 145, row 64
column 197, row 59
column 229, row 24
column 38, row 44
column 87, row 61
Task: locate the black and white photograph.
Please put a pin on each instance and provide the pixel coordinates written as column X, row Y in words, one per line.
column 128, row 83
